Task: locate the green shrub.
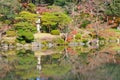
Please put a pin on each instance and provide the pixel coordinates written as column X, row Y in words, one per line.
column 85, row 23
column 59, row 41
column 23, row 42
column 55, row 32
column 44, row 43
column 7, row 21
column 55, row 20
column 26, row 17
column 84, row 41
column 11, row 33
column 78, row 36
column 25, row 36
column 25, row 26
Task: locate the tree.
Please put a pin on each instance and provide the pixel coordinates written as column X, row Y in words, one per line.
column 59, row 2
column 54, row 66
column 113, row 8
column 24, row 60
column 25, row 26
column 25, row 32
column 55, row 20
column 26, row 17
column 8, row 10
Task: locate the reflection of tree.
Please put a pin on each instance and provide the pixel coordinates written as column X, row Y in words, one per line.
column 53, row 67
column 107, row 71
column 71, row 62
column 112, row 70
column 26, row 64
column 6, row 67
column 85, row 64
column 19, row 66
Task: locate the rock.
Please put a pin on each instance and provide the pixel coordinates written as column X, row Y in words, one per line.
column 50, row 45
column 36, row 44
column 73, row 44
column 11, row 46
column 81, row 43
column 4, row 46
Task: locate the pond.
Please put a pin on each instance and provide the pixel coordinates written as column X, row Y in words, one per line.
column 61, row 63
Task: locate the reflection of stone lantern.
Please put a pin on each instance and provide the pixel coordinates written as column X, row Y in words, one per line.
column 38, row 24
column 118, row 27
column 39, row 63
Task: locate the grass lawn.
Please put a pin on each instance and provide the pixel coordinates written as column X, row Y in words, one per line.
column 45, row 36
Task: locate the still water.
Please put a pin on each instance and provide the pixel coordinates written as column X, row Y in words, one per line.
column 61, row 63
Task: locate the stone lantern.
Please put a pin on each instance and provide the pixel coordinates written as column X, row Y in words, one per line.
column 38, row 24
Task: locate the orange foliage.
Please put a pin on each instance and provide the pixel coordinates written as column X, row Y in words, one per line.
column 71, row 51
column 74, row 32
column 42, row 9
column 24, row 5
column 69, row 38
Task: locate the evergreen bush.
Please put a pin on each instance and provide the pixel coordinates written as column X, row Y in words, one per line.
column 78, row 36
column 55, row 32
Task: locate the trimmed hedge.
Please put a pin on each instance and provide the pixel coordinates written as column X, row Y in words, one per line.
column 55, row 32
column 78, row 36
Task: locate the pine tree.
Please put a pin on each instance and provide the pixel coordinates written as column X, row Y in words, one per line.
column 113, row 8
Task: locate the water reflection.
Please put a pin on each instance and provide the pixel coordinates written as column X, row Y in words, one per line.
column 61, row 63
